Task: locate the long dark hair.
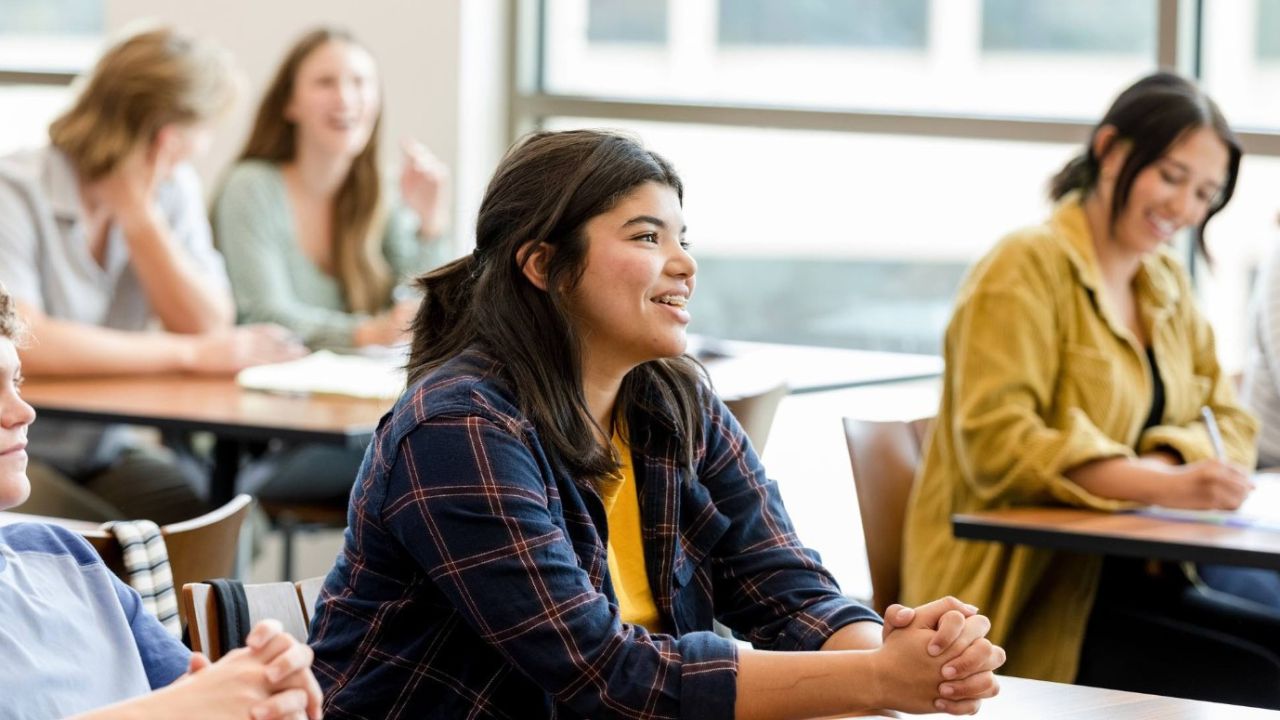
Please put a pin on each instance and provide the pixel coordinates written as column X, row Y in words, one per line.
column 544, row 191
column 1152, row 115
column 359, row 213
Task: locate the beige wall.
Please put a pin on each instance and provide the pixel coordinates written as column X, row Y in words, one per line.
column 443, row 65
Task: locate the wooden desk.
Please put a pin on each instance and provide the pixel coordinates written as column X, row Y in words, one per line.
column 1020, row 699
column 189, row 403
column 1088, row 531
column 83, row 527
column 737, row 367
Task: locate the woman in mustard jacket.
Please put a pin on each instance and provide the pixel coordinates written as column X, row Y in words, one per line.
column 1076, row 369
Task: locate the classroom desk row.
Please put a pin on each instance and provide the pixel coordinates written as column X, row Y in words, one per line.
column 1123, row 534
column 1019, row 698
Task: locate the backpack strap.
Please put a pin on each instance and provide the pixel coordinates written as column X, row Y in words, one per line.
column 233, row 613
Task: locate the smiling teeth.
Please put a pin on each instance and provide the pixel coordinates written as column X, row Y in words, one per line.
column 674, row 300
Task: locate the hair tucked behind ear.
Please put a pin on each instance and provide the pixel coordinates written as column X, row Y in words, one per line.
column 544, row 191
column 1151, row 116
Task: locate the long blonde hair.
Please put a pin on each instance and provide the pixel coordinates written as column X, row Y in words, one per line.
column 359, row 216
column 138, row 86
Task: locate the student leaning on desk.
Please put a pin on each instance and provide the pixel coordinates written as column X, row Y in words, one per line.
column 77, row 640
column 550, row 518
column 104, row 232
column 1077, row 365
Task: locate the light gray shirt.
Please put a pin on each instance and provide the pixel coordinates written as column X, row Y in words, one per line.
column 1261, row 390
column 72, row 636
column 45, row 261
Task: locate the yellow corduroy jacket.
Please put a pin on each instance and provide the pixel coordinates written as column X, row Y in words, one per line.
column 1040, row 378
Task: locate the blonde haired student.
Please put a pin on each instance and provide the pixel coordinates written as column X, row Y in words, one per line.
column 103, row 235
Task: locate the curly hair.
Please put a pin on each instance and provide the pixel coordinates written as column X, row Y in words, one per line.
column 11, row 326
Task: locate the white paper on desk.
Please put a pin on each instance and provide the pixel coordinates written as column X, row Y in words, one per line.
column 328, row 373
column 1261, row 509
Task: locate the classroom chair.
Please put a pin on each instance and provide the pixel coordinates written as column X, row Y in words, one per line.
column 308, row 594
column 755, row 413
column 199, row 548
column 219, row 624
column 884, row 457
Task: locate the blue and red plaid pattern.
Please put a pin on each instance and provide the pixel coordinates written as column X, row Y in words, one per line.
column 473, row 582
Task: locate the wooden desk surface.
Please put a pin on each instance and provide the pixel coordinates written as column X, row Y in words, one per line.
column 80, row 526
column 1021, row 699
column 1126, row 534
column 739, row 367
column 218, row 405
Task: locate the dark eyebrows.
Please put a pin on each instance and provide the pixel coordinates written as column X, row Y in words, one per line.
column 651, row 220
column 1182, row 167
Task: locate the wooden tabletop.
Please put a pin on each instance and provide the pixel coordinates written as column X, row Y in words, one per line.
column 80, row 526
column 1020, row 699
column 1126, row 534
column 218, row 405
column 739, row 367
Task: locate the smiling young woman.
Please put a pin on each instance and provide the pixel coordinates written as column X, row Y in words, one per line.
column 1077, row 369
column 558, row 507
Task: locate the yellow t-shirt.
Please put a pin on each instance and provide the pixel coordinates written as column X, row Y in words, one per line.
column 626, row 548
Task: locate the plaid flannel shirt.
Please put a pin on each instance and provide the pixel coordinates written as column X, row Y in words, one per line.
column 474, row 582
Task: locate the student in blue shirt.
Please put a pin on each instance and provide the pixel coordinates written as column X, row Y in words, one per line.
column 74, row 639
column 483, row 574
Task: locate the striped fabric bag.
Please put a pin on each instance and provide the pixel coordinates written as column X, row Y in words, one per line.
column 146, row 562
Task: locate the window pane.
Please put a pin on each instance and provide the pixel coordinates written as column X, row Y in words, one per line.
column 1079, row 26
column 868, row 23
column 627, row 21
column 1269, row 29
column 1048, row 59
column 58, row 35
column 841, row 239
column 1241, row 62
column 28, row 110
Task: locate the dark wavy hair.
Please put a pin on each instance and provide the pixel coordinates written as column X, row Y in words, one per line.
column 545, row 190
column 1151, row 115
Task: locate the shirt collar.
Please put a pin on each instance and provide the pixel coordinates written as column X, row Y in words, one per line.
column 1156, row 285
column 60, row 185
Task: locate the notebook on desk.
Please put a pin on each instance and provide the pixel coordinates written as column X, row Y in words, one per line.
column 1260, row 510
column 328, row 373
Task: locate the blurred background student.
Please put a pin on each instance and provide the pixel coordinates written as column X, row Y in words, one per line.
column 312, row 240
column 103, row 235
column 1077, row 368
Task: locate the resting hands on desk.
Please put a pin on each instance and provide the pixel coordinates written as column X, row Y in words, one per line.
column 937, row 657
column 926, row 659
column 269, row 679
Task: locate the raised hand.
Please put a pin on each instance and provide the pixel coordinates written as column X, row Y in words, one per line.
column 424, row 185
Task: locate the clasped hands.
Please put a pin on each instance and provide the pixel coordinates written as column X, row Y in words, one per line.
column 959, row 672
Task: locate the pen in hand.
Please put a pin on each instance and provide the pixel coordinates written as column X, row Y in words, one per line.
column 1215, row 435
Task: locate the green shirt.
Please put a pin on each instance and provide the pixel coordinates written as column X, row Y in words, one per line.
column 271, row 278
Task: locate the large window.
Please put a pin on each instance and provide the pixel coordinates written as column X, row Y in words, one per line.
column 43, row 45
column 1041, row 58
column 847, row 160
